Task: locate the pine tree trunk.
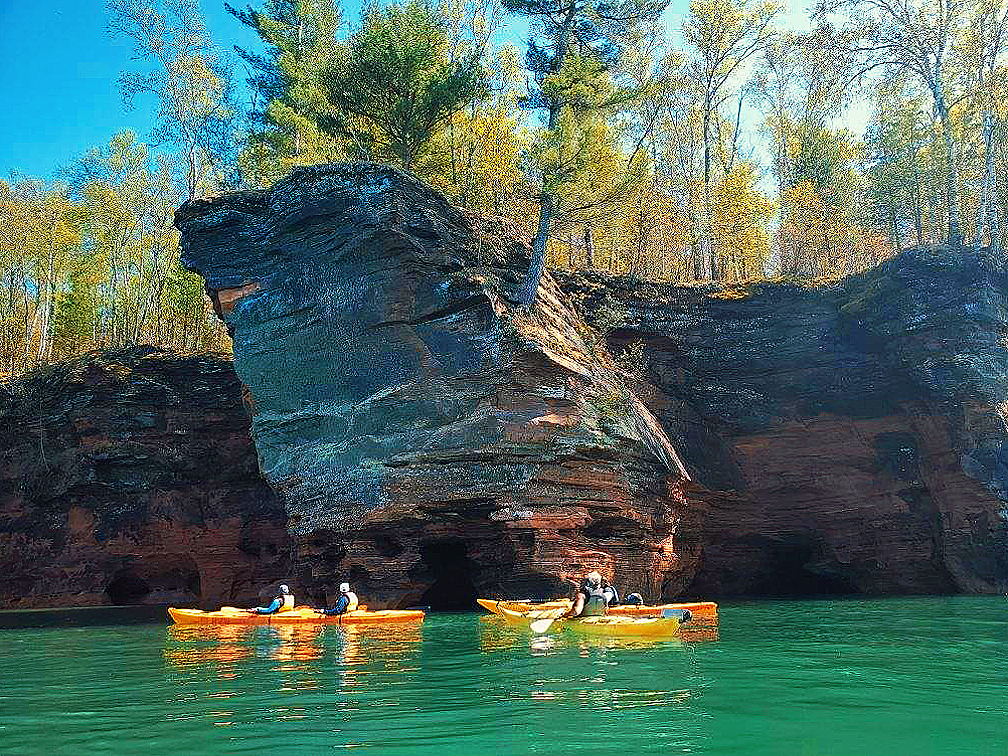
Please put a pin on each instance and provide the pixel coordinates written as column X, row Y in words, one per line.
column 538, row 262
column 547, row 206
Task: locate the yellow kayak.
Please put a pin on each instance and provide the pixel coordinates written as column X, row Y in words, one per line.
column 703, row 612
column 610, row 626
column 300, row 615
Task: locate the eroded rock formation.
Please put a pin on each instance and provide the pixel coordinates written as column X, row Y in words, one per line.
column 844, row 438
column 432, row 440
column 129, row 477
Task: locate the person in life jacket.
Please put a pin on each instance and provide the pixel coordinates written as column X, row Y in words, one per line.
column 347, row 601
column 612, row 596
column 590, row 600
column 282, row 602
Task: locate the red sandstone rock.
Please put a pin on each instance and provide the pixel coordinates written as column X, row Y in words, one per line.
column 845, row 438
column 129, row 477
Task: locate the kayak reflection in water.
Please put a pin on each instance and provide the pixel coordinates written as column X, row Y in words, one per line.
column 347, row 602
column 282, row 602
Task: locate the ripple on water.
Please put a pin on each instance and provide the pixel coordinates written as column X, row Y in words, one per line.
column 913, row 676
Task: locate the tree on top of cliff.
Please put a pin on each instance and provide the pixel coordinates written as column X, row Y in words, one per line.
column 190, row 79
column 906, row 37
column 397, row 83
column 287, row 91
column 723, row 34
column 577, row 50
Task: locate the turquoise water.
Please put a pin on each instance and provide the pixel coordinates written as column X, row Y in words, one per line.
column 895, row 676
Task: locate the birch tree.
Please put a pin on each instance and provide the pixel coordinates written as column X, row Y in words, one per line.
column 907, row 36
column 188, row 76
column 982, row 48
column 722, row 35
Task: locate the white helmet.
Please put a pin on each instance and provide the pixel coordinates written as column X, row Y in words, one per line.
column 284, row 589
column 594, row 579
column 344, row 588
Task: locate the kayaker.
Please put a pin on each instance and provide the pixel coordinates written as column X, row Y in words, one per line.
column 590, row 600
column 282, row 602
column 347, row 602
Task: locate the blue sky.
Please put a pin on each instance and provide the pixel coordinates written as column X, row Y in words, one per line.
column 61, row 92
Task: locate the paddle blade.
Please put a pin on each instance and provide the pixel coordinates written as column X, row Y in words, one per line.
column 541, row 625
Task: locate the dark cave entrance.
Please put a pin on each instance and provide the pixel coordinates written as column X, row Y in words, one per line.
column 791, row 572
column 448, row 563
column 127, row 588
column 790, row 567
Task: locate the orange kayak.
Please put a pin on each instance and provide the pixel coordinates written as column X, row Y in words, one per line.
column 704, row 612
column 300, row 615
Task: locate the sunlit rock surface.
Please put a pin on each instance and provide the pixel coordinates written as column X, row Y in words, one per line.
column 129, row 477
column 430, row 438
column 841, row 438
column 433, row 441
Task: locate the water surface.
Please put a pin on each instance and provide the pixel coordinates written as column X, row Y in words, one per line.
column 895, row 676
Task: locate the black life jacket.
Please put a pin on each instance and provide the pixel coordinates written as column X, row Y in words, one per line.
column 612, row 594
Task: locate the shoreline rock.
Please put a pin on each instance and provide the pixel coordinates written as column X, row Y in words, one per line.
column 430, row 440
column 128, row 477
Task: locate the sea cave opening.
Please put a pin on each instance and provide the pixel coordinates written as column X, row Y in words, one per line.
column 448, row 563
column 126, row 588
column 794, row 569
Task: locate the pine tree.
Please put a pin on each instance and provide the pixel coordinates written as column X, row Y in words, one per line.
column 396, row 85
column 575, row 57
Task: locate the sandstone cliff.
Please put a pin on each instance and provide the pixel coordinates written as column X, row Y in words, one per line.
column 129, row 477
column 849, row 436
column 433, row 441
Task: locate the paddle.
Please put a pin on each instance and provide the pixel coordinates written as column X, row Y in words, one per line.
column 543, row 624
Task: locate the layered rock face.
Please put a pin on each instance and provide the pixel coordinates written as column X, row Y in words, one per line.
column 844, row 438
column 129, row 477
column 432, row 440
